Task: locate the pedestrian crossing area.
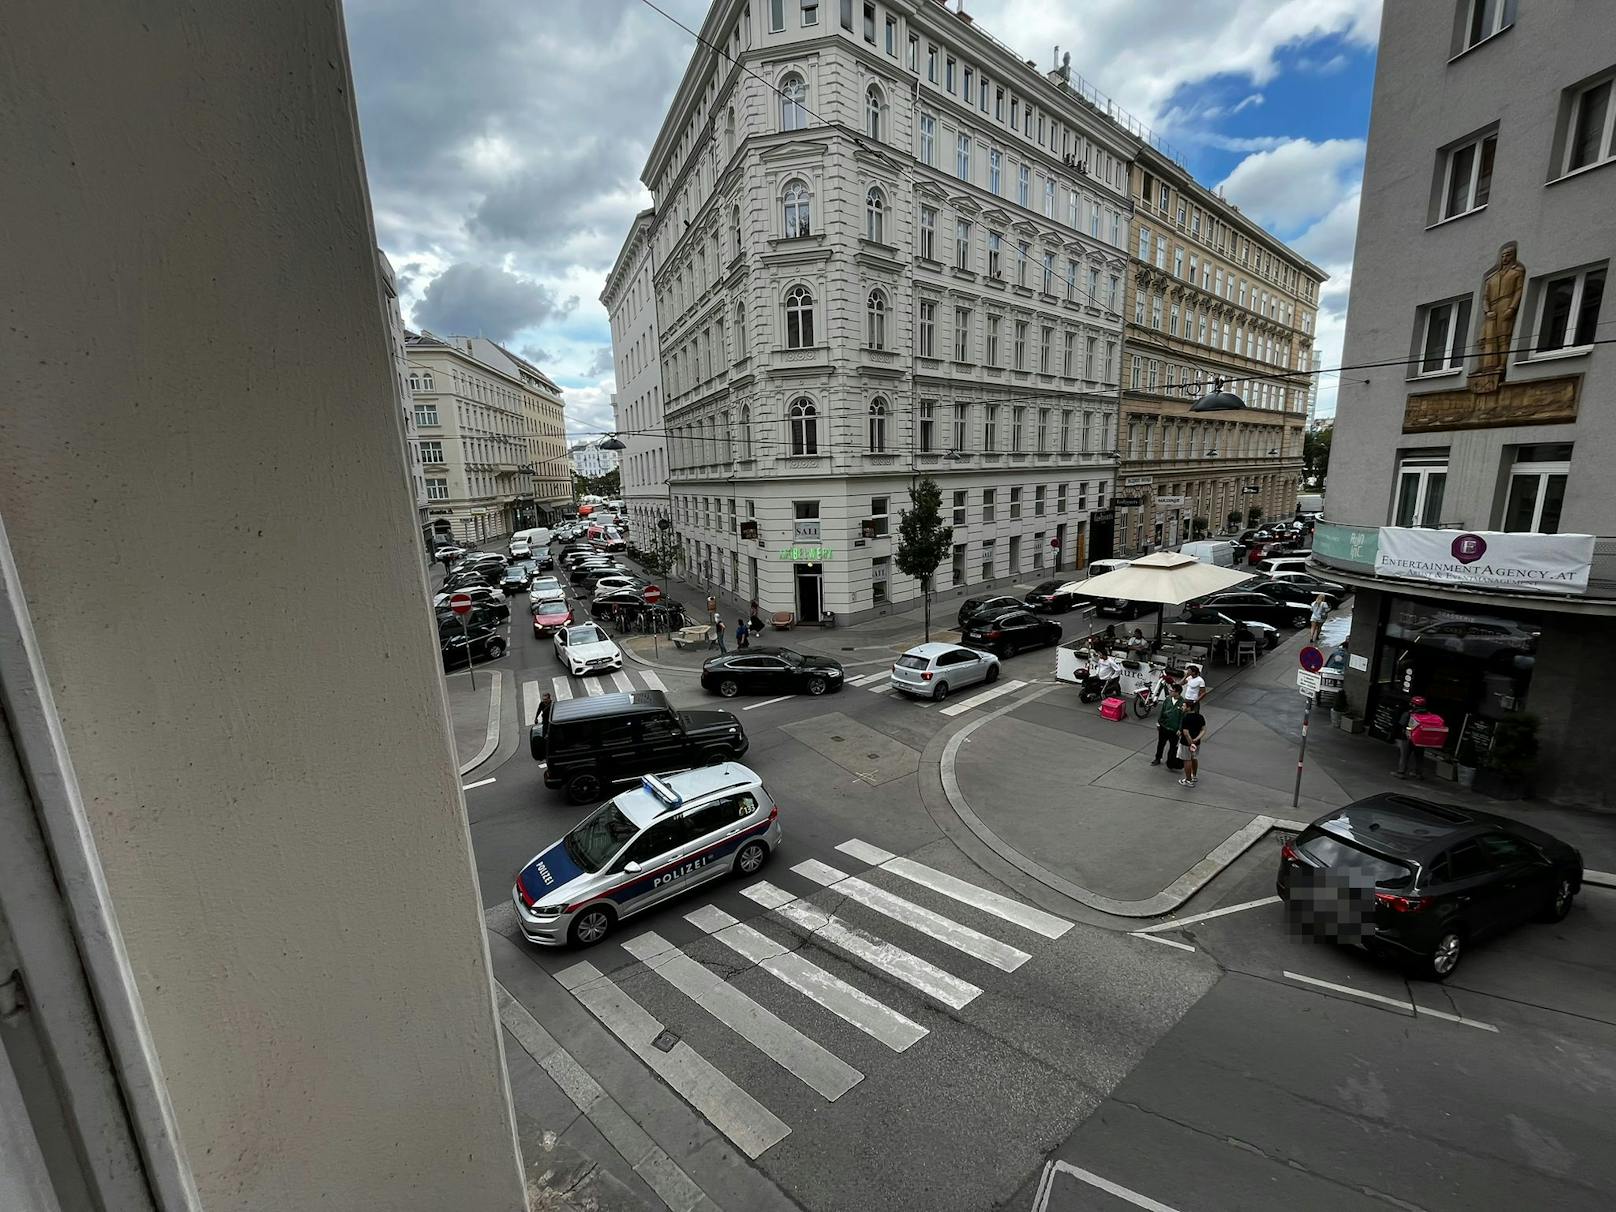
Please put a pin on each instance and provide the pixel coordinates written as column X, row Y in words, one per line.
column 563, row 687
column 881, row 683
column 758, row 1024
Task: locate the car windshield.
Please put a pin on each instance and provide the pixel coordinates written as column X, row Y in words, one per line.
column 551, row 606
column 1343, row 857
column 1047, row 586
column 790, row 658
column 910, row 661
column 600, row 835
column 585, row 635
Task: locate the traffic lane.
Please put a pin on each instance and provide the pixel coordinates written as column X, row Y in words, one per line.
column 1266, row 1095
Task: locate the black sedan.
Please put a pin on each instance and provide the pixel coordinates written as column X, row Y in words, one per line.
column 1260, row 608
column 1006, row 632
column 516, row 579
column 1053, row 596
column 482, row 598
column 764, row 670
column 971, row 606
column 1292, row 586
column 460, row 646
column 487, row 575
column 1420, row 882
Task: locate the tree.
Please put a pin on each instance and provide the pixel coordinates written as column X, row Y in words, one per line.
column 1253, row 515
column 1233, row 519
column 663, row 554
column 923, row 540
column 1316, row 454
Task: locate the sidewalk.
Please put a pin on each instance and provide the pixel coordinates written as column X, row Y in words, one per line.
column 474, row 712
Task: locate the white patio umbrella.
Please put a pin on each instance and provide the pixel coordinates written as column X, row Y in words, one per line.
column 1163, row 577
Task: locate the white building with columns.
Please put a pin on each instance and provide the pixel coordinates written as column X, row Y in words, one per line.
column 882, row 246
column 630, row 300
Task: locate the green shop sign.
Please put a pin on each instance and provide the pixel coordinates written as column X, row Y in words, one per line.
column 807, row 555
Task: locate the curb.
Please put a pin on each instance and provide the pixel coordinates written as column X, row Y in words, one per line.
column 491, row 741
column 1599, row 879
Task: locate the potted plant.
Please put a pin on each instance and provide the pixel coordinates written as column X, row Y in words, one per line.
column 1198, row 527
column 1513, row 755
column 1234, row 520
column 1254, row 515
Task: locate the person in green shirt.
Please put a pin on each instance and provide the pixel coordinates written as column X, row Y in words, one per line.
column 1167, row 725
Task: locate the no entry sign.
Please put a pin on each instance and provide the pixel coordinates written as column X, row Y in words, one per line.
column 652, row 594
column 460, row 603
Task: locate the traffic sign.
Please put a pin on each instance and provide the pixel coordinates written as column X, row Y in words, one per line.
column 1307, row 683
column 460, row 604
column 1310, row 659
column 1251, row 488
column 652, row 594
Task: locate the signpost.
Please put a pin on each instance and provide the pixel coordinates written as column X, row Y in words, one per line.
column 461, row 605
column 1311, row 661
column 652, row 594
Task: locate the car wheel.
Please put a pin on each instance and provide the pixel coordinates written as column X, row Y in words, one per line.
column 751, row 858
column 583, row 787
column 1560, row 902
column 1299, row 620
column 939, row 692
column 716, row 756
column 590, row 926
column 496, row 648
column 993, row 673
column 816, row 686
column 1443, row 962
column 729, row 688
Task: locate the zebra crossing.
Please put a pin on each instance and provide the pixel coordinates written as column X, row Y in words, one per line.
column 564, row 687
column 881, row 683
column 886, row 991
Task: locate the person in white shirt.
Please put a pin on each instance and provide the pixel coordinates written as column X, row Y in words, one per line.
column 1194, row 687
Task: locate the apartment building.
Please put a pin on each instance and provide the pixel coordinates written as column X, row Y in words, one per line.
column 591, row 460
column 630, row 300
column 489, row 437
column 1470, row 504
column 1210, row 295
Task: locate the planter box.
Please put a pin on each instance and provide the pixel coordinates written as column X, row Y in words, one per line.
column 1446, row 768
column 1351, row 724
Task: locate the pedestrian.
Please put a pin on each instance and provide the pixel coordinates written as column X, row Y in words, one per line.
column 1195, row 691
column 1316, row 617
column 1168, row 721
column 1191, row 732
column 1410, row 762
column 741, row 640
column 718, row 634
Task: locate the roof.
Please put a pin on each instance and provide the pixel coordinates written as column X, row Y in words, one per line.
column 933, row 648
column 1401, row 824
column 641, row 807
column 597, row 706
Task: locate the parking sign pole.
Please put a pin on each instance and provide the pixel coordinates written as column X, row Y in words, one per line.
column 1301, row 754
column 471, row 665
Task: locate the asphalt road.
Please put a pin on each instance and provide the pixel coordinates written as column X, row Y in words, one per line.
column 1100, row 1070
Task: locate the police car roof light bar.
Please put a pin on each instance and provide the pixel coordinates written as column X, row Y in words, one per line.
column 661, row 790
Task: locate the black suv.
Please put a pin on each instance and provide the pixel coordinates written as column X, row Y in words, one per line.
column 1053, row 596
column 1004, row 632
column 462, row 645
column 588, row 744
column 972, row 606
column 1420, row 881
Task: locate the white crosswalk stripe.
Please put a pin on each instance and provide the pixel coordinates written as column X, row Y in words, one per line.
column 870, row 678
column 894, row 961
column 1036, row 920
column 651, row 680
column 562, row 688
column 611, row 682
column 530, row 701
column 750, row 1126
column 622, row 681
column 945, row 930
column 852, row 1005
column 964, row 705
column 594, row 686
column 820, row 1070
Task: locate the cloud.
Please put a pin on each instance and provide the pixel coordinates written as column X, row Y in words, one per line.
column 1331, row 239
column 1290, row 185
column 537, row 355
column 602, row 363
column 480, row 300
column 589, row 413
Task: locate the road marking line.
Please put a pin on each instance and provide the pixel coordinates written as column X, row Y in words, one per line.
column 478, row 783
column 1014, row 911
column 945, row 930
column 593, row 686
column 1094, row 1180
column 816, row 1067
column 851, row 1005
column 651, row 680
column 749, row 1125
column 530, row 701
column 870, row 677
column 561, row 688
column 866, row 853
column 1390, row 1001
column 965, row 705
column 1204, row 917
column 1156, row 938
column 765, row 703
column 622, row 681
column 894, row 961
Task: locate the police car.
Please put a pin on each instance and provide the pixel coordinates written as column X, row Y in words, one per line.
column 665, row 837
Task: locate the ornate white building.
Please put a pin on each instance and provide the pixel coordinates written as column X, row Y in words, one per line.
column 882, row 245
column 630, row 300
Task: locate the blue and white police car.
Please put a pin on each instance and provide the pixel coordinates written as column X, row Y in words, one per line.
column 666, row 836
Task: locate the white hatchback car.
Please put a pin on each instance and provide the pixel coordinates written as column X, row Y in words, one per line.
column 586, row 649
column 934, row 670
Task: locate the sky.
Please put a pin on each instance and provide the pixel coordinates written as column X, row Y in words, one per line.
column 504, row 141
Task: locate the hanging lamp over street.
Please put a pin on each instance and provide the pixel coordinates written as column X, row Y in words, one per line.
column 1218, row 400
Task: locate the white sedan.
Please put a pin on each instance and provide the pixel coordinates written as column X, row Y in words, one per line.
column 586, row 649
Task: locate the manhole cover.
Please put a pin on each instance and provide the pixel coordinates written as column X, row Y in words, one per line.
column 665, row 1041
column 873, row 755
column 837, row 738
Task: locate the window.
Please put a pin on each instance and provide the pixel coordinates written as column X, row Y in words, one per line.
column 962, row 334
column 959, row 506
column 962, row 244
column 995, row 269
column 928, row 426
column 1467, row 178
column 1015, row 544
column 777, row 15
column 872, row 112
column 965, row 91
column 914, row 53
column 928, row 139
column 880, row 571
column 1021, row 345
column 1046, row 338
column 1537, row 485
column 1178, row 262
column 948, row 75
column 1486, row 18
column 797, row 209
column 878, row 426
column 962, row 424
column 1018, row 418
column 1022, row 248
column 990, row 433
column 892, row 37
column 928, row 329
column 990, row 507
column 957, row 568
column 1421, row 483
column 1590, row 126
column 1043, row 433
column 995, row 168
column 1066, row 430
column 1090, row 346
column 746, row 442
column 1049, row 198
column 869, row 24
column 1049, row 273
column 984, row 106
column 1068, row 346
column 803, row 421
column 810, row 12
column 740, row 331
column 962, row 157
column 431, row 452
column 993, row 340
column 928, row 233
column 875, row 227
column 426, row 414
column 436, row 489
column 987, row 558
column 793, row 103
column 931, row 63
column 1113, row 292
column 1144, row 243
column 1443, row 334
column 1568, row 311
column 1023, row 185
column 1060, row 498
column 998, row 104
column 875, row 320
column 799, row 318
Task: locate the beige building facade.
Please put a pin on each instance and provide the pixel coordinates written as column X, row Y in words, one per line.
column 1210, row 295
column 630, row 301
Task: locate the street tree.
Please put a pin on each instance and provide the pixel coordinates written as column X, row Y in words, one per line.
column 1316, row 454
column 923, row 540
column 663, row 554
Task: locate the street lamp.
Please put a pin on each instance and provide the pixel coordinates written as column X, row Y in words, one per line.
column 611, row 442
column 1218, row 400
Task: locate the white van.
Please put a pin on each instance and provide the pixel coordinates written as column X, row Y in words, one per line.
column 1220, row 553
column 537, row 539
column 1310, row 505
column 1104, row 566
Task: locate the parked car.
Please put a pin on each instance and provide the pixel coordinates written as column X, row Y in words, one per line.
column 545, row 587
column 1422, row 882
column 1121, row 608
column 473, row 559
column 1007, row 632
column 592, row 575
column 453, row 550
column 480, row 595
column 617, row 580
column 976, row 605
column 1286, row 584
column 461, row 645
column 1283, row 563
column 588, row 744
column 767, row 670
column 550, row 614
column 585, row 648
column 1260, row 608
column 658, row 841
column 1056, row 595
column 934, row 670
column 1203, row 624
column 516, row 579
column 486, row 576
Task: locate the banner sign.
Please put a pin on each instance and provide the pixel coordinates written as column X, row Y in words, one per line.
column 1521, row 563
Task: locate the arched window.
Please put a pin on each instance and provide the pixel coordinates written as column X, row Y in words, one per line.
column 878, row 426
column 799, row 318
column 872, row 112
column 793, row 103
column 875, row 320
column 746, row 431
column 729, row 133
column 803, row 420
column 735, row 223
column 426, row 381
column 740, row 331
column 797, row 208
column 875, row 215
column 415, row 383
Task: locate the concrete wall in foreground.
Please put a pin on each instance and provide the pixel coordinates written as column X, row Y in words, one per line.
column 204, row 490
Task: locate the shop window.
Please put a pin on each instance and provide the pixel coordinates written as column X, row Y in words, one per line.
column 880, row 572
column 1537, row 484
column 1421, row 483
